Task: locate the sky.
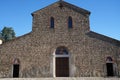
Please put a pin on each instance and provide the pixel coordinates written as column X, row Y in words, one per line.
column 104, row 17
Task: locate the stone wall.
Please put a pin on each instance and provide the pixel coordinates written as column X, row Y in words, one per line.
column 35, row 50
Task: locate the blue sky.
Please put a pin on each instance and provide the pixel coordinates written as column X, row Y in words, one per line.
column 104, row 18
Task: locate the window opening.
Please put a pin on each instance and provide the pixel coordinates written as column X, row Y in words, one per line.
column 70, row 24
column 51, row 22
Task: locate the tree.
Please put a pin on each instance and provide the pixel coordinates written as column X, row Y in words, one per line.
column 0, row 35
column 7, row 33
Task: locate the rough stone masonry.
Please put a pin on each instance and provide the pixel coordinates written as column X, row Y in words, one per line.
column 65, row 29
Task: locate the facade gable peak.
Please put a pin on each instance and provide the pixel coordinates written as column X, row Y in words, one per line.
column 63, row 3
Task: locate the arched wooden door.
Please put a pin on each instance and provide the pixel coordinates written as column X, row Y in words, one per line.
column 109, row 66
column 16, row 66
column 62, row 62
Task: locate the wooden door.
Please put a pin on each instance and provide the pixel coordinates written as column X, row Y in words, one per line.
column 15, row 70
column 110, row 71
column 62, row 67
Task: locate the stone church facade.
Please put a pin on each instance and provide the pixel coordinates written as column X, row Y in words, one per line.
column 60, row 45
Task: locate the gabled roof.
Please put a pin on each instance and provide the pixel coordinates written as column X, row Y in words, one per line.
column 104, row 38
column 71, row 6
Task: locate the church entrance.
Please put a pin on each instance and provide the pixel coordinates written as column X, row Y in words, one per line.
column 62, row 62
column 62, row 67
column 109, row 66
column 16, row 67
column 16, row 70
column 109, row 69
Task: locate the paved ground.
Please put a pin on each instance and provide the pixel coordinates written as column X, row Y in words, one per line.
column 82, row 78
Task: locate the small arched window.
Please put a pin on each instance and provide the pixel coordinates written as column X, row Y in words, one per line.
column 70, row 24
column 51, row 22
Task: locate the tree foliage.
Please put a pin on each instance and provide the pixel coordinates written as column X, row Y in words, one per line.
column 7, row 33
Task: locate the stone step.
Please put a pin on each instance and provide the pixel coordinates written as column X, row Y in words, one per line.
column 63, row 78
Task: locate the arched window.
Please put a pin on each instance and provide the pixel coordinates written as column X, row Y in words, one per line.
column 61, row 51
column 70, row 24
column 61, row 62
column 109, row 59
column 16, row 65
column 109, row 66
column 51, row 22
